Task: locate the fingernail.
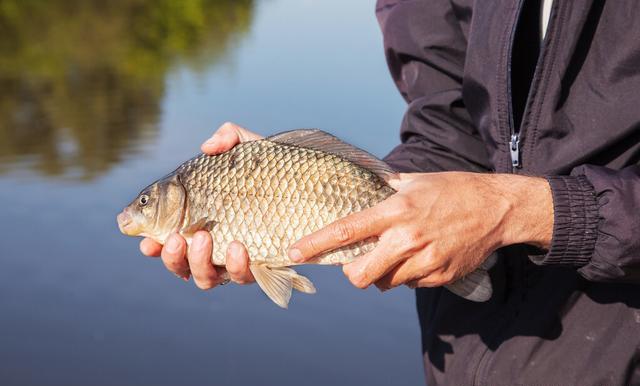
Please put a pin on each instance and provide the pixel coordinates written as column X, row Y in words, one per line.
column 187, row 276
column 295, row 255
column 199, row 241
column 233, row 249
column 212, row 140
column 172, row 244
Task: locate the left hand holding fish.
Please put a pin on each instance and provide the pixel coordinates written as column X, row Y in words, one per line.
column 438, row 227
column 197, row 261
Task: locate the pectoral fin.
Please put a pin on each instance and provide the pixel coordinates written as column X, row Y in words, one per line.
column 203, row 224
column 476, row 286
column 278, row 282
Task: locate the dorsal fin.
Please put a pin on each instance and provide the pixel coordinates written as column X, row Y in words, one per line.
column 322, row 141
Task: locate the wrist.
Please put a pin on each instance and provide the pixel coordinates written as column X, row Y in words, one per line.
column 529, row 219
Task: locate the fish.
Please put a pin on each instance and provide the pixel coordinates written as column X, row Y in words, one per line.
column 267, row 194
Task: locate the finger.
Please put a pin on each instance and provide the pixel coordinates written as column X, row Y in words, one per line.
column 433, row 280
column 370, row 267
column 173, row 256
column 149, row 247
column 358, row 226
column 408, row 270
column 436, row 278
column 227, row 136
column 199, row 256
column 238, row 263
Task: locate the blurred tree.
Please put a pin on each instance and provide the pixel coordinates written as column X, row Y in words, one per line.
column 81, row 81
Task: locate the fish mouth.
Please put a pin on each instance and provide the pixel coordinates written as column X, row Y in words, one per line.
column 125, row 222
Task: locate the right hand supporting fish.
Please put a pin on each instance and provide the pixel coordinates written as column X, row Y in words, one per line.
column 438, row 229
column 399, row 228
column 197, row 261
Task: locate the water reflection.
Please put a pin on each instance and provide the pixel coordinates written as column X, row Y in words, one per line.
column 81, row 84
column 81, row 81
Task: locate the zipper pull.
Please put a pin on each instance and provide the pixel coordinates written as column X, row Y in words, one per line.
column 514, row 149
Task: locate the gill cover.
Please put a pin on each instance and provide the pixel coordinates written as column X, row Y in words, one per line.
column 171, row 205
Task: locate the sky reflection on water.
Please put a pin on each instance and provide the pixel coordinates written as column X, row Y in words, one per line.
column 81, row 134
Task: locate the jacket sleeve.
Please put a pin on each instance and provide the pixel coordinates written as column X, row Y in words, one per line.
column 597, row 223
column 425, row 46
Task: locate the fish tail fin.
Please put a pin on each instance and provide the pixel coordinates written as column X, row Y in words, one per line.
column 278, row 282
column 476, row 286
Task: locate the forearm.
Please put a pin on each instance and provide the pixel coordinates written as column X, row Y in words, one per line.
column 528, row 218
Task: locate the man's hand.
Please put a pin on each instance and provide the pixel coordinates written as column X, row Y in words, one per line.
column 197, row 260
column 438, row 227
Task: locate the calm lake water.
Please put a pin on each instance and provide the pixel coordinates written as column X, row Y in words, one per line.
column 98, row 100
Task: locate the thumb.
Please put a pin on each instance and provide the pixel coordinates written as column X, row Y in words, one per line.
column 227, row 136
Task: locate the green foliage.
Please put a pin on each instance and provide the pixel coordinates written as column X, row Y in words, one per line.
column 80, row 81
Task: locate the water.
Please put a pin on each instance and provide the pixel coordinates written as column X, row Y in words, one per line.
column 98, row 100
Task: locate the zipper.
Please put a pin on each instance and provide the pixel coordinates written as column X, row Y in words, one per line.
column 514, row 147
column 515, row 150
column 514, row 132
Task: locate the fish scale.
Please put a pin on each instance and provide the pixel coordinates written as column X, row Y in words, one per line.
column 258, row 191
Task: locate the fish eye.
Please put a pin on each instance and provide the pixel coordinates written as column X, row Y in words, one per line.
column 143, row 200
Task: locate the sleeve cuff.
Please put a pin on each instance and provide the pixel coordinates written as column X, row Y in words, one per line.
column 575, row 224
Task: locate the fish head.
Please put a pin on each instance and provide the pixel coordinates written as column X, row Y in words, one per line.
column 157, row 211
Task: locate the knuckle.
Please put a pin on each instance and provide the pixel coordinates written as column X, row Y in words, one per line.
column 402, row 205
column 425, row 282
column 234, row 269
column 415, row 236
column 173, row 256
column 242, row 277
column 200, row 257
column 441, row 278
column 405, row 244
column 397, row 280
column 448, row 277
column 344, row 231
column 359, row 281
column 311, row 244
column 408, row 242
column 174, row 264
column 227, row 125
column 204, row 284
column 360, row 284
column 429, row 259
